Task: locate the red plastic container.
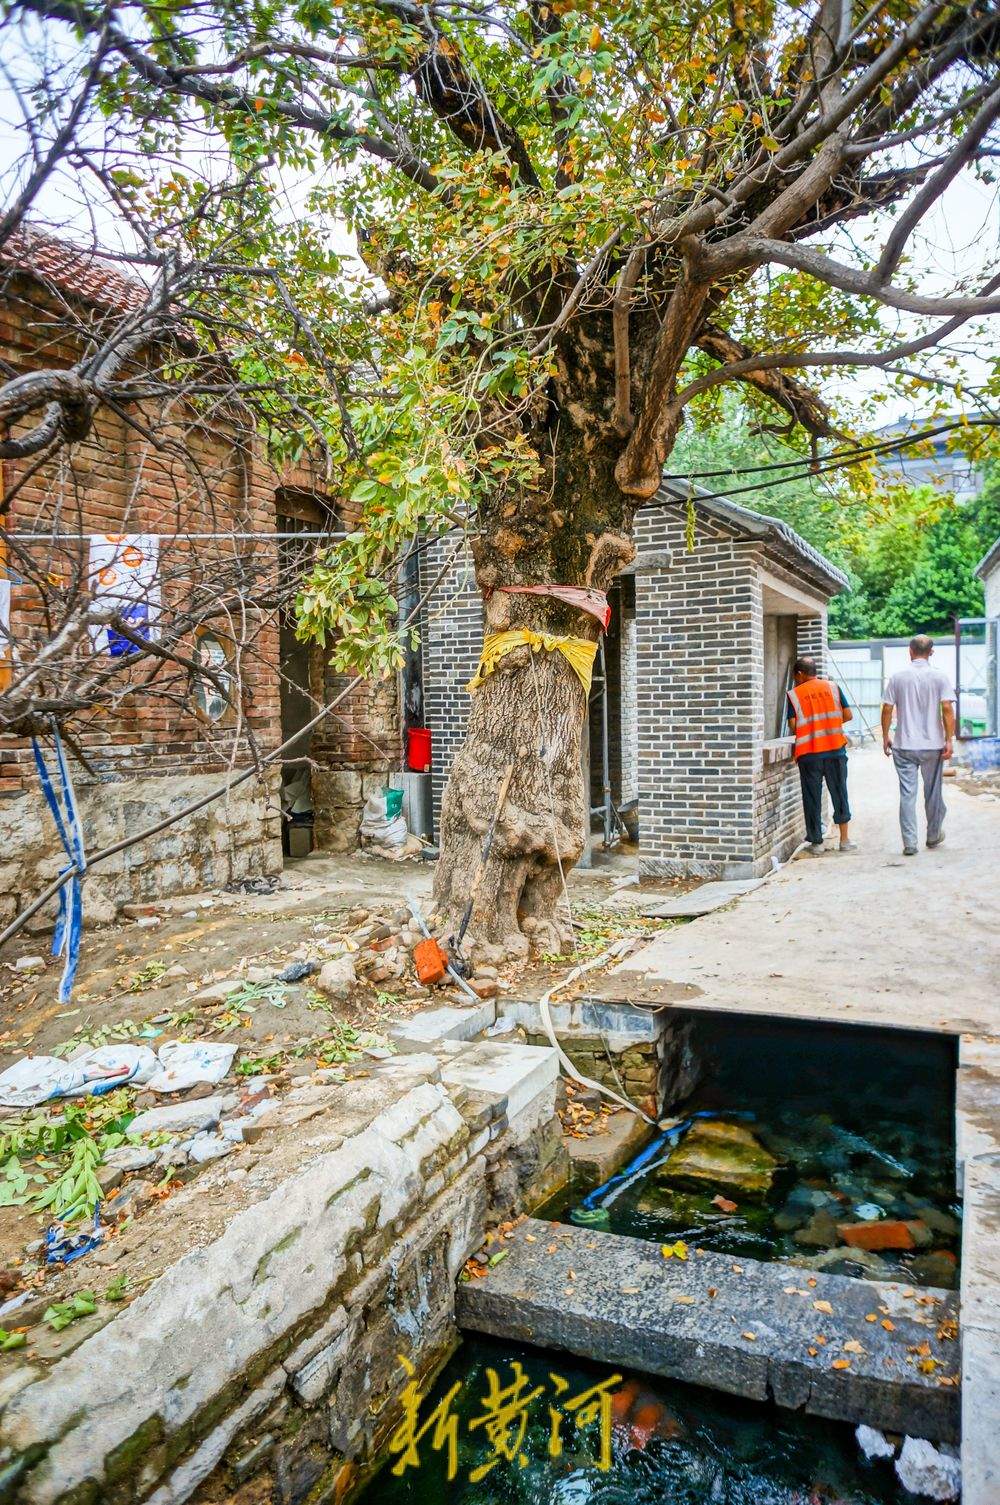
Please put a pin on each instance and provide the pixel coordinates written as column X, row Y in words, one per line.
column 418, row 749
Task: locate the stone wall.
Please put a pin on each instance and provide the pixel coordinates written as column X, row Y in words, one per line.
column 236, row 837
column 267, row 1358
column 646, row 1052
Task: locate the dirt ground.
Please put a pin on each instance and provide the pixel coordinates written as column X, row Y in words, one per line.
column 204, row 967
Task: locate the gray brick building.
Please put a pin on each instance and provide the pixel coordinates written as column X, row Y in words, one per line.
column 698, row 657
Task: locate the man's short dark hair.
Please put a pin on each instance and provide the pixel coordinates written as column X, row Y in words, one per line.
column 806, row 666
column 921, row 645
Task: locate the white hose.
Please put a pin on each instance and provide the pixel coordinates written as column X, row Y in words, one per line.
column 612, row 954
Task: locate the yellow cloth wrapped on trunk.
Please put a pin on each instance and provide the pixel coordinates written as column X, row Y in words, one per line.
column 578, row 653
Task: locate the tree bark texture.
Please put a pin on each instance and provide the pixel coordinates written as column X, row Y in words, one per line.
column 531, row 711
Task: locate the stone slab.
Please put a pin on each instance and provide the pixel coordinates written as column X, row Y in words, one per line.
column 626, row 1305
column 699, row 901
column 449, row 1022
column 517, row 1072
column 980, row 1409
column 621, row 1024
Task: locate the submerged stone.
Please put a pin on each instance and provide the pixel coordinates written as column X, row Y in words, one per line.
column 722, row 1155
column 819, row 1233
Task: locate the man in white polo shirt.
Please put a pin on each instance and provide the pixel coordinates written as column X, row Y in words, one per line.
column 924, row 702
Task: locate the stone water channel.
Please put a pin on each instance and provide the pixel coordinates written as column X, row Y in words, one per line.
column 266, row 1363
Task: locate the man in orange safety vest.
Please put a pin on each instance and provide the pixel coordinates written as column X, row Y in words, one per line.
column 817, row 713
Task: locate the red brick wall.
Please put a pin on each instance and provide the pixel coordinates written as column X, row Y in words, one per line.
column 118, row 481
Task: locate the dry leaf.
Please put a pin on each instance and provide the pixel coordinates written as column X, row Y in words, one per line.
column 812, row 1352
column 713, row 1290
column 723, row 1203
column 871, row 1316
column 750, row 1337
column 853, row 1346
column 841, row 1364
column 629, row 1290
column 823, row 1306
column 890, row 1327
column 927, row 1366
column 684, row 1301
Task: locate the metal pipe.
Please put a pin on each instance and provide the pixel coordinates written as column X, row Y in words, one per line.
column 605, row 757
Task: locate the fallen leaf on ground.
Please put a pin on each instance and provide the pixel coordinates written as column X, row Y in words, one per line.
column 750, row 1337
column 823, row 1306
column 890, row 1327
column 680, row 1249
column 724, row 1204
column 871, row 1316
column 684, row 1301
column 853, row 1346
column 841, row 1364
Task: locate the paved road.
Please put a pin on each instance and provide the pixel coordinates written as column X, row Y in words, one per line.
column 867, row 937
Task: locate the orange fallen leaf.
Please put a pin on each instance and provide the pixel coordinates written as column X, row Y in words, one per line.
column 750, row 1337
column 841, row 1364
column 871, row 1316
column 890, row 1327
column 723, row 1203
column 812, row 1352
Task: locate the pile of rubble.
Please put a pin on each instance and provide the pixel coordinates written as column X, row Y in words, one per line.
column 377, row 949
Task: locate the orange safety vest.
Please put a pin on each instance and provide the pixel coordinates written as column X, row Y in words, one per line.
column 819, row 720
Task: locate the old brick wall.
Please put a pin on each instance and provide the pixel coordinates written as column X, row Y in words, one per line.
column 168, row 475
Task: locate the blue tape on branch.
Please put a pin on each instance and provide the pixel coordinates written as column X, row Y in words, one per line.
column 66, row 940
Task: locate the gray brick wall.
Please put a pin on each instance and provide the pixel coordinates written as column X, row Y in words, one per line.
column 452, row 638
column 699, row 696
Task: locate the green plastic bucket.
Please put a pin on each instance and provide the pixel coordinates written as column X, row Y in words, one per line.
column 393, row 803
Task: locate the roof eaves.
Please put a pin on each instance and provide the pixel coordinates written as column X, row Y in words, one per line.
column 989, row 559
column 759, row 525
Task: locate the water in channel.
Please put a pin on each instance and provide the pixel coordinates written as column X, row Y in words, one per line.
column 831, row 1148
column 669, row 1444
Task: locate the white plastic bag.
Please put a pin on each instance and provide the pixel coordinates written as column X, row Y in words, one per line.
column 185, row 1063
column 34, row 1079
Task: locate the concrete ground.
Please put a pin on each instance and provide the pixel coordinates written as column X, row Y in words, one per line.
column 874, row 937
column 869, row 937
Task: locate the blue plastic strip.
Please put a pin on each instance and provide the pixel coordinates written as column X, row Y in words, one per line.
column 69, row 925
column 593, row 1198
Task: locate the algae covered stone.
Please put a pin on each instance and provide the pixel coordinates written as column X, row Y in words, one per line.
column 725, row 1156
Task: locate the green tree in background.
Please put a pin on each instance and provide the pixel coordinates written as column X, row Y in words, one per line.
column 941, row 585
column 909, row 551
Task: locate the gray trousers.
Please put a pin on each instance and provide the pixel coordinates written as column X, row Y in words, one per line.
column 909, row 767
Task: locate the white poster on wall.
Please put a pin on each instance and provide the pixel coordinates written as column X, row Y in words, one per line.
column 124, row 573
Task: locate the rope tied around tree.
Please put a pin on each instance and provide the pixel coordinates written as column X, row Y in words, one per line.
column 578, row 653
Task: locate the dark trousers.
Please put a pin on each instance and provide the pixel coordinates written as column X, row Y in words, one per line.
column 814, row 769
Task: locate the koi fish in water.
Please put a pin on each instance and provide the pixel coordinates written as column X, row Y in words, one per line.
column 639, row 1416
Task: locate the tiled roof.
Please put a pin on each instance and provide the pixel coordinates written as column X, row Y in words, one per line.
column 78, row 271
column 752, row 524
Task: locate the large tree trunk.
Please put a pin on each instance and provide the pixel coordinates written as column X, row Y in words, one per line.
column 529, row 715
